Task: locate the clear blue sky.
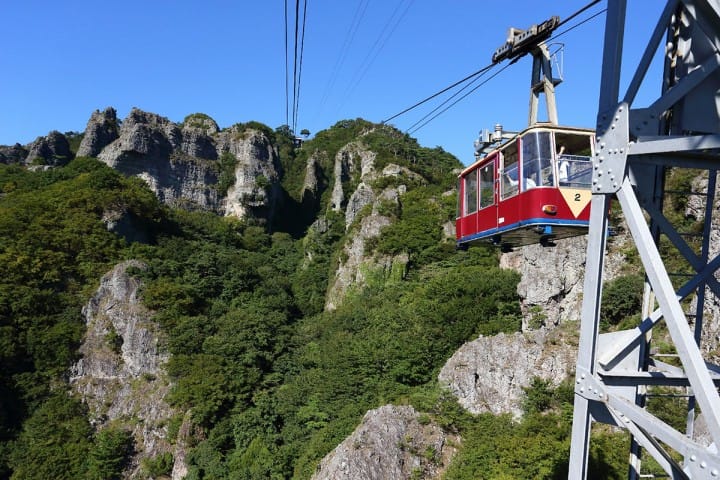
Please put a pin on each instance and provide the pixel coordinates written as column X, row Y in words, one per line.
column 62, row 60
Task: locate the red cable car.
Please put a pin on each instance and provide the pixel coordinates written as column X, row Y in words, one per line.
column 533, row 188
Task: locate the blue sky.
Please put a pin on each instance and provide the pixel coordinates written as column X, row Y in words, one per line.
column 362, row 58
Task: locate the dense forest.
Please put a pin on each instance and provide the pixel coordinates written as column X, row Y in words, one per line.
column 273, row 381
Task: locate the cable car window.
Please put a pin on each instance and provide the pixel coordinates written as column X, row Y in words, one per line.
column 537, row 160
column 471, row 192
column 487, row 185
column 573, row 158
column 510, row 172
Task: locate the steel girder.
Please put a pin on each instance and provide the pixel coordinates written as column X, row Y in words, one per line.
column 633, row 150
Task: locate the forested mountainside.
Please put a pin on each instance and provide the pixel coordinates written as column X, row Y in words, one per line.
column 181, row 301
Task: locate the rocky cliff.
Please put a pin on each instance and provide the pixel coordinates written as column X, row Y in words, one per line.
column 181, row 162
column 255, row 190
column 489, row 373
column 390, row 442
column 52, row 149
column 551, row 279
column 149, row 146
column 710, row 341
column 355, row 165
column 101, row 131
column 121, row 373
column 13, row 154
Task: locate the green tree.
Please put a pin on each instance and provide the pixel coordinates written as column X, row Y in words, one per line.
column 109, row 454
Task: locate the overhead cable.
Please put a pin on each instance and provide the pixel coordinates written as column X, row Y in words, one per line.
column 287, row 86
column 579, row 12
column 461, row 98
column 425, row 100
column 444, row 102
column 349, row 38
column 475, row 76
column 302, row 49
column 378, row 45
column 577, row 24
column 295, row 60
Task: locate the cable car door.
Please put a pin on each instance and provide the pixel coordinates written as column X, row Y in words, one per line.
column 508, row 211
column 487, row 211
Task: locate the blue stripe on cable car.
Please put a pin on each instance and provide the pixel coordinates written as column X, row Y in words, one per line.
column 525, row 223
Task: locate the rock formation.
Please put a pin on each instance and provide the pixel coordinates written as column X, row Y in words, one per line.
column 355, row 266
column 488, row 374
column 121, row 375
column 257, row 173
column 353, row 163
column 552, row 278
column 197, row 137
column 180, row 162
column 101, row 131
column 13, row 154
column 390, row 443
column 53, row 150
column 710, row 341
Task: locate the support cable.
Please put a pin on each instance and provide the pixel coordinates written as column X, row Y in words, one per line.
column 287, row 86
column 461, row 98
column 445, row 102
column 472, row 77
column 349, row 38
column 579, row 12
column 425, row 100
column 295, row 61
column 378, row 45
column 577, row 24
column 302, row 49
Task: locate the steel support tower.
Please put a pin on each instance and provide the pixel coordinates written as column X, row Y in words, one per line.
column 635, row 150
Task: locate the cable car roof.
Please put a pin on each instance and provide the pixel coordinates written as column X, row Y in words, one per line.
column 539, row 126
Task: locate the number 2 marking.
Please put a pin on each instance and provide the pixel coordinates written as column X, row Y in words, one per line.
column 577, row 197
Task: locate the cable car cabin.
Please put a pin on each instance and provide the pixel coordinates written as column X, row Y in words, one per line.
column 534, row 188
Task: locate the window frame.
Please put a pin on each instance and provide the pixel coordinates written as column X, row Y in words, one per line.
column 485, row 185
column 466, row 182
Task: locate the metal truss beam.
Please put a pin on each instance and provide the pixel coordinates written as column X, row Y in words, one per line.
column 680, row 129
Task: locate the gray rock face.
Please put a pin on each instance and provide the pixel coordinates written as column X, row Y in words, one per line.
column 391, row 443
column 361, row 197
column 353, row 161
column 101, row 131
column 257, row 173
column 53, row 150
column 149, row 147
column 710, row 341
column 181, row 164
column 145, row 139
column 13, row 154
column 353, row 270
column 196, row 142
column 120, row 375
column 488, row 374
column 355, row 164
column 311, row 183
column 552, row 278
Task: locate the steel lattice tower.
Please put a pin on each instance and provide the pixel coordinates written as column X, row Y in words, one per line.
column 635, row 149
